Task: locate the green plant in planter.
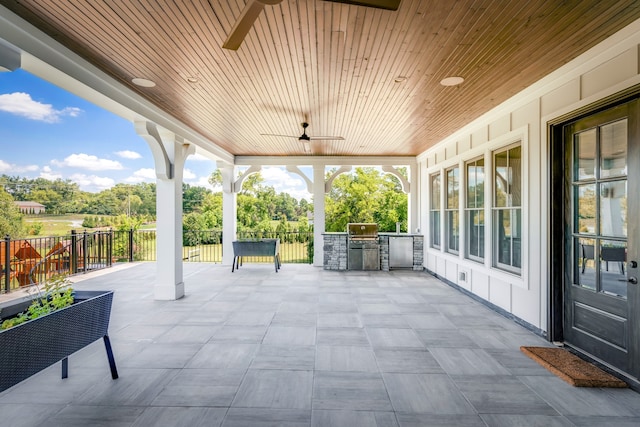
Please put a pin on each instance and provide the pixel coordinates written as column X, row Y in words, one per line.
column 57, row 294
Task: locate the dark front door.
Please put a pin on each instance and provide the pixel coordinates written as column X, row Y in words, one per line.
column 602, row 213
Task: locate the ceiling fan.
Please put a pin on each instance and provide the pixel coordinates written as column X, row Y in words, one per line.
column 307, row 138
column 253, row 8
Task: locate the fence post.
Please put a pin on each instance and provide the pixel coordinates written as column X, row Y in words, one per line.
column 110, row 247
column 85, row 251
column 7, row 263
column 74, row 252
column 131, row 244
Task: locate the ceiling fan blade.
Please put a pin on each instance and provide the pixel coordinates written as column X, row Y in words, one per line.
column 244, row 23
column 326, row 138
column 380, row 4
column 275, row 134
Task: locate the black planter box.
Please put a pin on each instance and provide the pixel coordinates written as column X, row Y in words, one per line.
column 30, row 347
column 251, row 248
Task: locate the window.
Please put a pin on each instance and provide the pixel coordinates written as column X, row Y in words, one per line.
column 452, row 212
column 474, row 212
column 435, row 211
column 507, row 209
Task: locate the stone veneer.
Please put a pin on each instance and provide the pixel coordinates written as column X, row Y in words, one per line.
column 335, row 251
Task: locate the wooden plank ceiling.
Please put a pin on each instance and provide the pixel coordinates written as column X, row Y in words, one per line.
column 330, row 64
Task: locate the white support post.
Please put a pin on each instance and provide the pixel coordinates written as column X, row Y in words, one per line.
column 318, row 215
column 229, row 211
column 169, row 152
column 413, row 223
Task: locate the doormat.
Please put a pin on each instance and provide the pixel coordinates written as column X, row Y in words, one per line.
column 572, row 369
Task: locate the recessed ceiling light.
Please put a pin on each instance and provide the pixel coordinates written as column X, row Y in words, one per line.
column 400, row 79
column 192, row 79
column 143, row 82
column 451, row 81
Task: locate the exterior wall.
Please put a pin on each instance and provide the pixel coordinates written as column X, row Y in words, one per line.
column 603, row 71
column 335, row 251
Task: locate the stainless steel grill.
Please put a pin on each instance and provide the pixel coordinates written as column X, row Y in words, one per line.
column 362, row 246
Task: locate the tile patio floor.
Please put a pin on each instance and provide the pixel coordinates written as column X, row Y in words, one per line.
column 306, row 347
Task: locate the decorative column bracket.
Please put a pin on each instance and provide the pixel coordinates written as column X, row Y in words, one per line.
column 329, row 183
column 237, row 185
column 296, row 170
column 149, row 132
column 406, row 186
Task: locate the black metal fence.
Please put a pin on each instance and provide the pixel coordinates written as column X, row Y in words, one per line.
column 24, row 262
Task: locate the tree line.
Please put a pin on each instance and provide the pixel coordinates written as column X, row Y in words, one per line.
column 367, row 195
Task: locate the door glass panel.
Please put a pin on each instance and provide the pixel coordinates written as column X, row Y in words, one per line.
column 613, row 260
column 585, row 209
column 585, row 260
column 613, row 149
column 613, row 208
column 585, row 154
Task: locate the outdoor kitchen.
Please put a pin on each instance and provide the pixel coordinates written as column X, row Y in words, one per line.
column 363, row 247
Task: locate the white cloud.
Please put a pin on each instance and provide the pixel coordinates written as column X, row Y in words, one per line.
column 199, row 158
column 188, row 175
column 141, row 175
column 92, row 182
column 48, row 173
column 21, row 104
column 13, row 168
column 88, row 162
column 203, row 181
column 286, row 182
column 127, row 154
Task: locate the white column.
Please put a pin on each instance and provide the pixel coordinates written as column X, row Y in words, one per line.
column 318, row 215
column 229, row 211
column 169, row 153
column 412, row 215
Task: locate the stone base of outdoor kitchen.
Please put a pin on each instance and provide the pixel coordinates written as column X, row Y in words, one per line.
column 335, row 251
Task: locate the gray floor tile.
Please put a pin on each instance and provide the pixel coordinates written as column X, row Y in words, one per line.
column 361, row 371
column 390, row 337
column 407, row 361
column 95, row 415
column 134, row 387
column 356, row 391
column 377, row 308
column 515, row 420
column 295, row 319
column 437, row 420
column 25, row 415
column 384, row 321
column 578, row 401
column 605, row 421
column 201, row 387
column 426, row 393
column 290, row 335
column 162, row 356
column 353, row 359
column 342, row 337
column 467, row 361
column 503, row 395
column 334, row 418
column 257, row 417
column 244, row 318
column 339, row 320
column 275, row 389
column 240, row 334
column 224, row 355
column 285, row 357
column 435, row 338
column 171, row 416
column 428, row 321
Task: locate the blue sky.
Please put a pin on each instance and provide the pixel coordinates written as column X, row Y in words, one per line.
column 47, row 132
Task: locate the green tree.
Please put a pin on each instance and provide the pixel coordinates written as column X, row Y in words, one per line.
column 366, row 195
column 10, row 216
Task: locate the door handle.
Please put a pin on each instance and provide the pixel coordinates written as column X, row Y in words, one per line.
column 633, row 280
